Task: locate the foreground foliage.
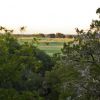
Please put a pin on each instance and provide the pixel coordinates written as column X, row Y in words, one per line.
column 22, row 68
column 76, row 75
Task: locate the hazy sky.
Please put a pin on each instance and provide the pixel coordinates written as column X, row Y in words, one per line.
column 48, row 15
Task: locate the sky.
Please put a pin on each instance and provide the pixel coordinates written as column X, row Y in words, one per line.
column 48, row 16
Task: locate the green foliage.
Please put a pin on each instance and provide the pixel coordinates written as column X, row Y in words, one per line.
column 11, row 94
column 76, row 75
column 21, row 69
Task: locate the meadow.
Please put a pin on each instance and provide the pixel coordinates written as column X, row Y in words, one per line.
column 49, row 45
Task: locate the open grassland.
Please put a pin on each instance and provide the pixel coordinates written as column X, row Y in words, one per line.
column 49, row 45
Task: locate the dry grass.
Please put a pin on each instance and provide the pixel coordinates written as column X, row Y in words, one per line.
column 46, row 39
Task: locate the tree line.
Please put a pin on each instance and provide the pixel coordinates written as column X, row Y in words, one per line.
column 41, row 35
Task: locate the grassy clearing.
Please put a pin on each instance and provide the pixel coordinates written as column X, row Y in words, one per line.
column 49, row 45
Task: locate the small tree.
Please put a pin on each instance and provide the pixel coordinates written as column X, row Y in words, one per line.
column 60, row 35
column 51, row 35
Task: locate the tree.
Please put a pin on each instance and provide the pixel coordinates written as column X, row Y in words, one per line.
column 22, row 69
column 51, row 35
column 60, row 35
column 76, row 75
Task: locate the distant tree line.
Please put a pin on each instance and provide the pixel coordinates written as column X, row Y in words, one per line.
column 39, row 35
column 42, row 35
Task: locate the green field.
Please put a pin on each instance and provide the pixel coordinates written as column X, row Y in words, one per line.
column 49, row 45
column 51, row 48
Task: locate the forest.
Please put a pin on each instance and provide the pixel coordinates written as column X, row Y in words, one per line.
column 28, row 73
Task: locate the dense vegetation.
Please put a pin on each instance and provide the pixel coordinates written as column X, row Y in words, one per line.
column 27, row 73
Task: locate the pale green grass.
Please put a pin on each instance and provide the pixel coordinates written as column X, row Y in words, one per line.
column 48, row 45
